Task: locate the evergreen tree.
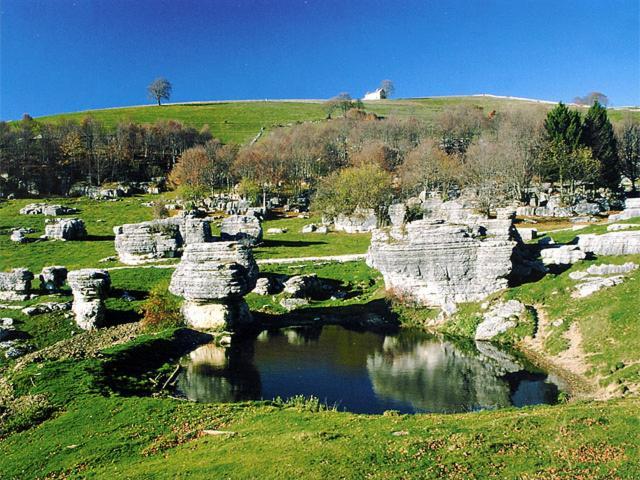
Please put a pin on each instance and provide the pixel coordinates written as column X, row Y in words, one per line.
column 599, row 137
column 564, row 126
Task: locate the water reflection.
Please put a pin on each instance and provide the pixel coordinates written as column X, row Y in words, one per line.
column 364, row 371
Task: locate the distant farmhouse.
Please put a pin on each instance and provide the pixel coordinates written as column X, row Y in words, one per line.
column 378, row 94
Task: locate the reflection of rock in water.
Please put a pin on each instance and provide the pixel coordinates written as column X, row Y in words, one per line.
column 502, row 360
column 217, row 374
column 436, row 376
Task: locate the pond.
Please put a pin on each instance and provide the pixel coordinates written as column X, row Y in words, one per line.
column 364, row 372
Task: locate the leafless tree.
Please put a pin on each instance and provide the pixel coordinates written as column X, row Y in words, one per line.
column 160, row 89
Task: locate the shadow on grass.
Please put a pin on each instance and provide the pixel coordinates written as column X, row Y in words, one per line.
column 100, row 238
column 289, row 243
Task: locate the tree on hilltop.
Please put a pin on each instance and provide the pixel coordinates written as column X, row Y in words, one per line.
column 599, row 137
column 159, row 89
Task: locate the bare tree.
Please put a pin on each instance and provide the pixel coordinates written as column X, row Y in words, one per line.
column 592, row 97
column 388, row 87
column 159, row 89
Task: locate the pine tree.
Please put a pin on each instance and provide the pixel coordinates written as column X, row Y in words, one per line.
column 599, row 137
column 564, row 126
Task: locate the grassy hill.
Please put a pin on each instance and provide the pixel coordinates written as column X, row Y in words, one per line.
column 240, row 121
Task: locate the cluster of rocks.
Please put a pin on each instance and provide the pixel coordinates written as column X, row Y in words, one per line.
column 297, row 290
column 562, row 254
column 46, row 307
column 213, row 278
column 597, row 277
column 313, row 228
column 117, row 191
column 90, row 287
column 631, row 210
column 545, row 204
column 65, row 229
column 242, row 228
column 442, row 264
column 159, row 239
column 361, row 221
column 499, row 319
column 47, row 209
column 20, row 235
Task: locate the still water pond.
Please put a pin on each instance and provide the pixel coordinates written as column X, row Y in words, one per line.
column 364, row 372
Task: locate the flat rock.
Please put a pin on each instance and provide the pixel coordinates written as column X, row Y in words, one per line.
column 499, row 319
column 242, row 228
column 612, row 243
column 562, row 255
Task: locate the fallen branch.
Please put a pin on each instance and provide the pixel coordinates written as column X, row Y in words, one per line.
column 171, row 377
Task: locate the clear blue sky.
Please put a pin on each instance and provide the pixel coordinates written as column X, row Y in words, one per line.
column 64, row 55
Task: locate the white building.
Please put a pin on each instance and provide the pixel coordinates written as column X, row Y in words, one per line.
column 378, row 94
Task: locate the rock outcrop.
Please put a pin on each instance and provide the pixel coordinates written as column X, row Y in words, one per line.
column 159, row 239
column 612, row 243
column 89, row 287
column 15, row 285
column 241, row 228
column 65, row 229
column 46, row 209
column 19, row 235
column 631, row 210
column 499, row 319
column 213, row 278
column 52, row 278
column 593, row 284
column 562, row 255
column 440, row 264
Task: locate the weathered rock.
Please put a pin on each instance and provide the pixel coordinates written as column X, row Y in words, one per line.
column 16, row 284
column 578, row 275
column 527, row 234
column 46, row 307
column 263, row 286
column 397, row 213
column 89, row 287
column 609, row 269
column 303, row 286
column 583, row 219
column 46, row 209
column 312, row 227
column 437, row 264
column 147, row 241
column 242, row 228
column 276, row 231
column 562, row 255
column 19, row 235
column 213, row 278
column 195, row 230
column 52, row 278
column 613, row 243
column 586, row 208
column 323, row 229
column 293, row 303
column 593, row 285
column 65, row 229
column 499, row 319
column 361, row 221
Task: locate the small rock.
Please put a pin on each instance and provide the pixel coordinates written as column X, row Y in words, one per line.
column 276, row 231
column 400, row 433
column 312, row 227
column 322, row 229
column 293, row 303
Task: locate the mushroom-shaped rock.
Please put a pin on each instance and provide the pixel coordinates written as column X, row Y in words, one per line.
column 16, row 284
column 52, row 278
column 147, row 241
column 89, row 287
column 243, row 228
column 213, row 278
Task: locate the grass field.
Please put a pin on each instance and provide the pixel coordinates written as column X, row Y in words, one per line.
column 239, row 122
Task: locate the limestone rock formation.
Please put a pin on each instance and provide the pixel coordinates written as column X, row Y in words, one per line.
column 608, row 269
column 562, row 255
column 65, row 229
column 52, row 278
column 527, row 234
column 310, row 228
column 16, row 284
column 46, row 209
column 147, row 241
column 614, row 227
column 89, row 287
column 594, row 284
column 499, row 319
column 631, row 210
column 18, row 236
column 439, row 264
column 612, row 243
column 213, row 278
column 303, row 286
column 242, row 228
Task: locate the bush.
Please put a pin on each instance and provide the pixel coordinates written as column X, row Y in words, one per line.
column 162, row 309
column 159, row 210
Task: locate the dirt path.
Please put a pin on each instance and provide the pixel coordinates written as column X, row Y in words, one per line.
column 265, row 261
column 571, row 364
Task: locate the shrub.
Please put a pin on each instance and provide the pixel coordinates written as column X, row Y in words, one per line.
column 159, row 210
column 162, row 309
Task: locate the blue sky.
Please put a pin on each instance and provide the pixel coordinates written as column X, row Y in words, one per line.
column 63, row 55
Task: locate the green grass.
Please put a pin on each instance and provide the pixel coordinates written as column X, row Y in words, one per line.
column 294, row 244
column 99, row 217
column 239, row 122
